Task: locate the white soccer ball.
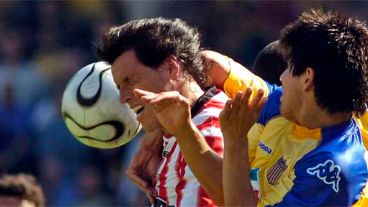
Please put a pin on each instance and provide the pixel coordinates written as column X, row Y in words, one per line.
column 92, row 111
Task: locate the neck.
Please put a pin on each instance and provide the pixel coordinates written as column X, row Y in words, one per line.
column 191, row 90
column 313, row 117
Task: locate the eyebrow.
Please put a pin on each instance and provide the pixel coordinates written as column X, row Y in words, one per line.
column 125, row 81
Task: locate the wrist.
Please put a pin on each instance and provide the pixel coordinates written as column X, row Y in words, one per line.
column 235, row 143
column 185, row 131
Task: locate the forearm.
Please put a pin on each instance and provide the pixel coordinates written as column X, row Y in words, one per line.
column 203, row 161
column 236, row 172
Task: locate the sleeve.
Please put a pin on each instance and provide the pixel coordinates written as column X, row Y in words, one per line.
column 318, row 181
column 239, row 79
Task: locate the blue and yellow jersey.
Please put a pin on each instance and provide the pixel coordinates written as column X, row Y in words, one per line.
column 294, row 166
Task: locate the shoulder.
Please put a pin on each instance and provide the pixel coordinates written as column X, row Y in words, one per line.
column 272, row 107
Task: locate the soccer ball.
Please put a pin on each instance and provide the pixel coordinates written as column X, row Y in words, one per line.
column 92, row 111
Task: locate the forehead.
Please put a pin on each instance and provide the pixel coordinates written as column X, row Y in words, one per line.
column 125, row 66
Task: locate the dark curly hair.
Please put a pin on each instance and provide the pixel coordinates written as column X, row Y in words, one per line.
column 153, row 40
column 22, row 186
column 270, row 63
column 336, row 48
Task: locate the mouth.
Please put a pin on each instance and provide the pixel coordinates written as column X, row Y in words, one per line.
column 138, row 109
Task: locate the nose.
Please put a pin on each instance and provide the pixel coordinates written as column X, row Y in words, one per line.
column 125, row 95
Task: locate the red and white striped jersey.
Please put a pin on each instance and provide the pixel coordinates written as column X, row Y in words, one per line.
column 176, row 184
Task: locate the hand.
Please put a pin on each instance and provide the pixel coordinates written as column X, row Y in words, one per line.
column 171, row 109
column 143, row 167
column 240, row 114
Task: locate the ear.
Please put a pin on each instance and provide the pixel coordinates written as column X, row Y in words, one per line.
column 308, row 79
column 171, row 67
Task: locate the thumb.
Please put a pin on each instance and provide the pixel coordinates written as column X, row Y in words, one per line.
column 145, row 96
column 139, row 93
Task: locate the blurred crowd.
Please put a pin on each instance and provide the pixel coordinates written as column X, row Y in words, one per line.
column 43, row 43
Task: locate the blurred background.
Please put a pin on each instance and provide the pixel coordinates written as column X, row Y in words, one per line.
column 43, row 43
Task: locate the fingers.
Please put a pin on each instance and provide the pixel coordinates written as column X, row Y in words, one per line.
column 246, row 96
column 253, row 103
column 160, row 101
column 261, row 105
column 142, row 93
column 225, row 113
column 243, row 103
column 145, row 186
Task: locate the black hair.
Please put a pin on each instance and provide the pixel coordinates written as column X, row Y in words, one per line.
column 153, row 40
column 269, row 63
column 336, row 48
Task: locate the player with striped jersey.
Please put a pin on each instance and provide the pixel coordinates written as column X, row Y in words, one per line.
column 176, row 183
column 160, row 58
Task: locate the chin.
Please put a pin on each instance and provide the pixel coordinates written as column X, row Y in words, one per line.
column 146, row 128
column 285, row 113
column 150, row 127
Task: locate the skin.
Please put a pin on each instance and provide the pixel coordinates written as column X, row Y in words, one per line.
column 143, row 167
column 128, row 74
column 236, row 119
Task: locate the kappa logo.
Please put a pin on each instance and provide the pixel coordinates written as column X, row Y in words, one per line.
column 328, row 172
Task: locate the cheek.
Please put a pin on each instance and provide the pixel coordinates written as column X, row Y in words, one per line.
column 148, row 119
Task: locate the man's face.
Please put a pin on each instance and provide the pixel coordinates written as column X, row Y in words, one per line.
column 130, row 74
column 291, row 97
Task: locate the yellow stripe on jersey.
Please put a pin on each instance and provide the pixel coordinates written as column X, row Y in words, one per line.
column 362, row 123
column 280, row 140
column 239, row 79
column 302, row 132
column 364, row 120
column 363, row 200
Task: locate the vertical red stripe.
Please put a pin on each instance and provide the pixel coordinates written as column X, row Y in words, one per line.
column 203, row 199
column 180, row 172
column 215, row 142
column 162, row 190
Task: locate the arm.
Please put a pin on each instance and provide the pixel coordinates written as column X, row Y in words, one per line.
column 230, row 76
column 173, row 112
column 217, row 67
column 236, row 120
column 145, row 163
column 204, row 162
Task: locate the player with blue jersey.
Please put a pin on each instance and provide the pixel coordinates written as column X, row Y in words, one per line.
column 306, row 149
